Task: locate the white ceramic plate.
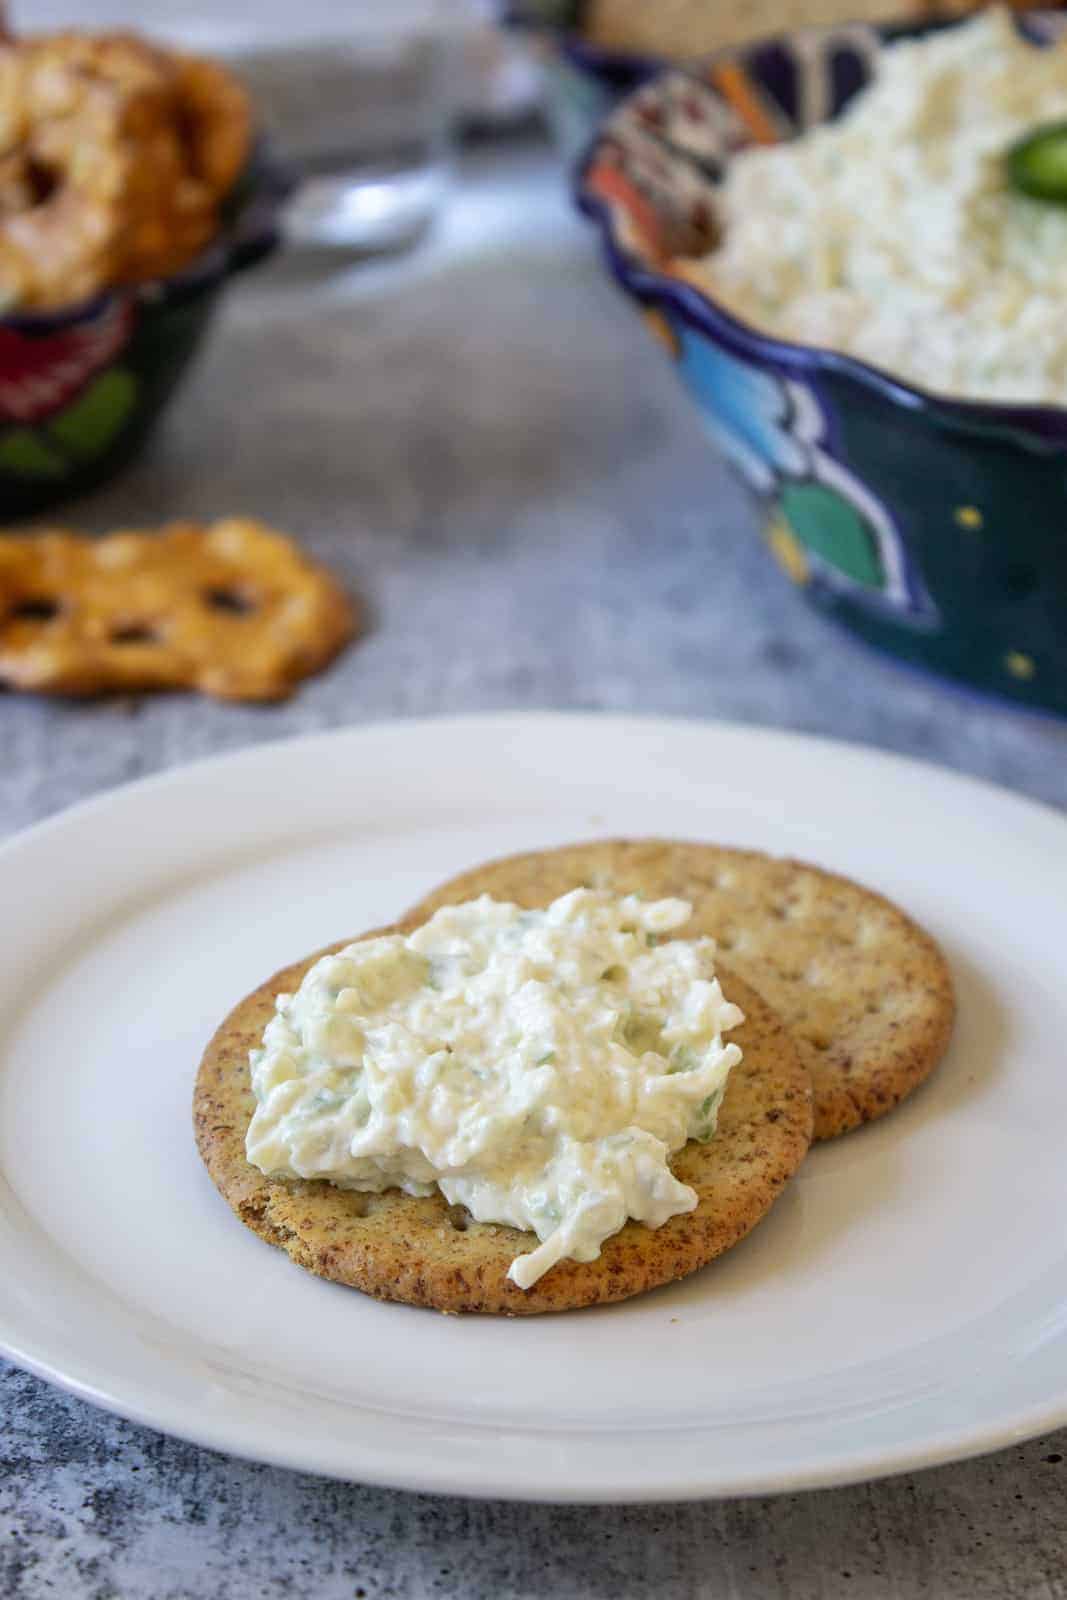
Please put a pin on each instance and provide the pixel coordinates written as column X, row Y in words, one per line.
column 904, row 1303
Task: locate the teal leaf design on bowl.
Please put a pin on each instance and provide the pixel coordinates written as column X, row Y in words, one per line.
column 830, row 527
column 856, row 548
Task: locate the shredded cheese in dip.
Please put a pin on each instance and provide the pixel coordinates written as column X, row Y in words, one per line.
column 892, row 234
column 538, row 1067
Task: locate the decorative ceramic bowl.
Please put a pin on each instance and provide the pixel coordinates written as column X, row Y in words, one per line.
column 934, row 528
column 81, row 388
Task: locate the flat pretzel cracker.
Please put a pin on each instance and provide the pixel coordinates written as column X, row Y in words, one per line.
column 232, row 609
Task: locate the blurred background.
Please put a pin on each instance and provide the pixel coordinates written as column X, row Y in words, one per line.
column 431, row 382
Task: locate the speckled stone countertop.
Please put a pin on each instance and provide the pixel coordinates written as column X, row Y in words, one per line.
column 482, row 440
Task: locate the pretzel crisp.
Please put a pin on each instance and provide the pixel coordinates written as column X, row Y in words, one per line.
column 232, row 609
column 115, row 157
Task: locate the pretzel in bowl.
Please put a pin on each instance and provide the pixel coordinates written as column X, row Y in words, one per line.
column 232, row 609
column 115, row 156
column 216, row 118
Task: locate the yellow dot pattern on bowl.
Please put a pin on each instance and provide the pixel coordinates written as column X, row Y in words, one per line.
column 969, row 517
column 788, row 550
column 1020, row 665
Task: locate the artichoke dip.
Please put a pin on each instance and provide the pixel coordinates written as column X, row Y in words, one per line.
column 537, row 1067
column 895, row 234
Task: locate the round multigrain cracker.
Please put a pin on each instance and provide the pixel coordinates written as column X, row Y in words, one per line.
column 865, row 992
column 427, row 1253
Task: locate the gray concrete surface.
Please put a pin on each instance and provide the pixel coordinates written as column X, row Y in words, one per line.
column 483, row 441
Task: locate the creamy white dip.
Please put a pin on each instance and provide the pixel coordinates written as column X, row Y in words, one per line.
column 892, row 234
column 538, row 1067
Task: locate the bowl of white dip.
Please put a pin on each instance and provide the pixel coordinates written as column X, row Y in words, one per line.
column 821, row 229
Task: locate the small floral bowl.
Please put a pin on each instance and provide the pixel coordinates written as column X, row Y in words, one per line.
column 81, row 388
column 934, row 528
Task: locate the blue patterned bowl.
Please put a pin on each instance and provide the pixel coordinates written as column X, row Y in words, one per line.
column 932, row 527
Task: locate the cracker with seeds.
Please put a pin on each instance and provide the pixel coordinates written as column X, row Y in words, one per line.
column 424, row 1252
column 865, row 992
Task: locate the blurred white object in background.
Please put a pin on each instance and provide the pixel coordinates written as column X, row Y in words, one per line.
column 362, row 106
column 360, row 98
